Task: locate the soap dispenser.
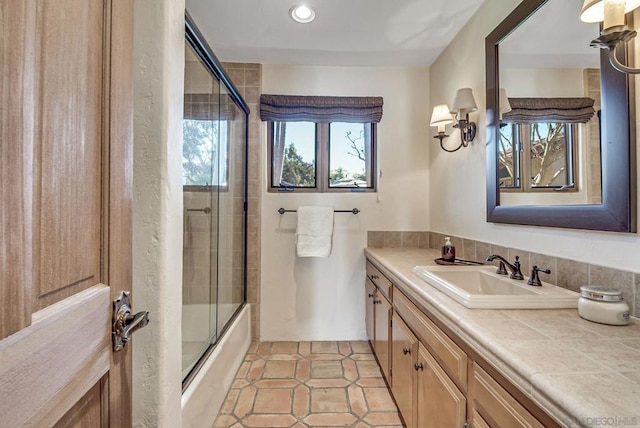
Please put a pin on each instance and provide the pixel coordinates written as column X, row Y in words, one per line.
column 448, row 250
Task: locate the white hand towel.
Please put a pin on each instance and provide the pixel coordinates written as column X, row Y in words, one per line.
column 314, row 232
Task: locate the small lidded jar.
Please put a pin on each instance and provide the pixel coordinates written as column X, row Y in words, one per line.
column 603, row 305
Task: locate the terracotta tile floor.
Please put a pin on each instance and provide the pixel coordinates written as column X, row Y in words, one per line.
column 309, row 384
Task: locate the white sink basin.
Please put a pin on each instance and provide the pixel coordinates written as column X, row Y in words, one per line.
column 481, row 287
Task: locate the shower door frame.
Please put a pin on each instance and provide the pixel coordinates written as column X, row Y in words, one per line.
column 199, row 44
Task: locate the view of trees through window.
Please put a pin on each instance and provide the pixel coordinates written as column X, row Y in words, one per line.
column 551, row 159
column 298, row 139
column 204, row 153
column 347, row 160
column 294, row 151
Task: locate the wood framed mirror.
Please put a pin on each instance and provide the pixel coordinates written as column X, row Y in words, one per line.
column 617, row 210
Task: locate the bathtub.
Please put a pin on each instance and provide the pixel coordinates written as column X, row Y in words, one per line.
column 203, row 398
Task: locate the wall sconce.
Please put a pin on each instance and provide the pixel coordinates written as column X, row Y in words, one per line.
column 463, row 104
column 440, row 118
column 504, row 105
column 614, row 31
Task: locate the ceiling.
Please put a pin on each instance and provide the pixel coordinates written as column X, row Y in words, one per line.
column 344, row 33
column 554, row 37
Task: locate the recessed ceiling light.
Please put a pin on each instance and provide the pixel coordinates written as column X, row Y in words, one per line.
column 302, row 14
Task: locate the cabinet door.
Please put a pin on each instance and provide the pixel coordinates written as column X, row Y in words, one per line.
column 404, row 350
column 370, row 295
column 477, row 421
column 439, row 403
column 382, row 309
column 499, row 408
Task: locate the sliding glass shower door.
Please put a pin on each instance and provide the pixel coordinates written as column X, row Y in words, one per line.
column 214, row 183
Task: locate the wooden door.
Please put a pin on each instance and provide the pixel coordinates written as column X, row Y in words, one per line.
column 404, row 350
column 65, row 210
column 382, row 309
column 440, row 403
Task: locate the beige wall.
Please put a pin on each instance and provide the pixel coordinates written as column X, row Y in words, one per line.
column 157, row 210
column 315, row 298
column 457, row 189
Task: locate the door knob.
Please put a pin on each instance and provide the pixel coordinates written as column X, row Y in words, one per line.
column 124, row 323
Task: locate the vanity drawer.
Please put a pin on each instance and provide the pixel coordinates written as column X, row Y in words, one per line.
column 493, row 402
column 452, row 358
column 379, row 280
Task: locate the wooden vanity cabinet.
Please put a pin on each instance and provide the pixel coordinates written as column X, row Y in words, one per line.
column 439, row 402
column 434, row 381
column 378, row 317
column 404, row 356
column 491, row 405
column 382, row 342
column 370, row 296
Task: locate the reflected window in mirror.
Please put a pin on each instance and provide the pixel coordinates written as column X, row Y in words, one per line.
column 540, row 156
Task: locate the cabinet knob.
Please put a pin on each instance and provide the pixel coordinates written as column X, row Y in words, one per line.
column 370, row 295
column 406, row 351
column 374, row 276
column 418, row 366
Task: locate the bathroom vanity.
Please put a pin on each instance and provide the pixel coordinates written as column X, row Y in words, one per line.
column 447, row 365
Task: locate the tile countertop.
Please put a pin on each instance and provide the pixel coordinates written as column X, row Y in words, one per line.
column 581, row 373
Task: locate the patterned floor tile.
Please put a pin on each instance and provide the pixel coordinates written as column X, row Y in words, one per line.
column 309, row 384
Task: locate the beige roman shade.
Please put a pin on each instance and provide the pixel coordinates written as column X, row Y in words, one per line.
column 532, row 110
column 320, row 109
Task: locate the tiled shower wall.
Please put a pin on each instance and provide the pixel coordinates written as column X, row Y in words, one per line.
column 566, row 273
column 248, row 79
column 593, row 164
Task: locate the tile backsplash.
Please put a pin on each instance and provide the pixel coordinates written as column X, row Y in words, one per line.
column 566, row 273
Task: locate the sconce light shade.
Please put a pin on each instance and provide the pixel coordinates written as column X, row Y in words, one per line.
column 614, row 31
column 593, row 10
column 504, row 104
column 462, row 106
column 464, row 103
column 441, row 116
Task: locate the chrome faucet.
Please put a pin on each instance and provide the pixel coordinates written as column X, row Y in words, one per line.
column 516, row 273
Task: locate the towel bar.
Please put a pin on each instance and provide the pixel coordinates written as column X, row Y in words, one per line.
column 353, row 211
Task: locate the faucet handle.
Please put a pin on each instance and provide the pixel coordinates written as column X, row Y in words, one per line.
column 534, row 279
column 516, row 272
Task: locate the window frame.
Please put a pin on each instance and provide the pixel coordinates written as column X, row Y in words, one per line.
column 322, row 165
column 522, row 145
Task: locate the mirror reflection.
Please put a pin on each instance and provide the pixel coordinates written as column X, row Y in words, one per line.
column 549, row 141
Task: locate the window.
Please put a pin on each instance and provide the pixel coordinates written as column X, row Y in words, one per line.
column 550, row 163
column 321, row 144
column 204, row 153
column 538, row 143
column 321, row 157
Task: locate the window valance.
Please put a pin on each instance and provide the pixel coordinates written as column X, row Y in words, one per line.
column 531, row 110
column 321, row 109
column 208, row 107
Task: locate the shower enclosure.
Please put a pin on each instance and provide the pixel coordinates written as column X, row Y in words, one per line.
column 214, row 183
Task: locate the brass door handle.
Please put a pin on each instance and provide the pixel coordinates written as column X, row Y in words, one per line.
column 124, row 323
